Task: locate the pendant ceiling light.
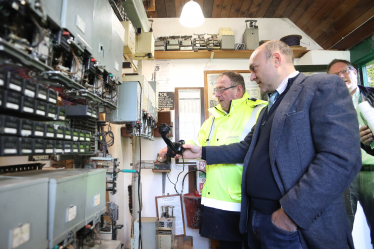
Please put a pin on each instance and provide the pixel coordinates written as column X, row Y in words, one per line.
column 192, row 15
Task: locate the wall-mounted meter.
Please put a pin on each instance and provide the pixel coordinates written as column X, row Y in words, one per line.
column 129, row 44
column 250, row 36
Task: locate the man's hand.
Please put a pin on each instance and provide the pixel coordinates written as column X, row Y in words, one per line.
column 162, row 154
column 191, row 152
column 366, row 136
column 283, row 221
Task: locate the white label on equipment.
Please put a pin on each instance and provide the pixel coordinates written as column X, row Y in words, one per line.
column 15, row 87
column 60, row 136
column 67, row 150
column 51, row 115
column 29, row 93
column 96, row 200
column 10, row 130
column 28, row 109
column 12, row 106
column 25, row 132
column 39, row 133
column 58, row 150
column 67, row 137
column 20, row 235
column 52, row 100
column 50, row 135
column 82, row 151
column 26, row 151
column 61, row 118
column 42, row 96
column 116, row 66
column 89, row 113
column 87, row 139
column 71, row 213
column 39, row 112
column 80, row 24
column 75, row 138
column 75, row 150
column 39, row 151
column 10, row 151
column 81, row 138
column 1, row 82
column 49, row 151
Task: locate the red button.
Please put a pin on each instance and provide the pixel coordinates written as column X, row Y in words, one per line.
column 66, row 33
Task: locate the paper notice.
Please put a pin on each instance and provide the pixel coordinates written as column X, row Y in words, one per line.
column 365, row 113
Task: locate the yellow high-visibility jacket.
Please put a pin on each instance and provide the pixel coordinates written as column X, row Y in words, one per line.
column 222, row 189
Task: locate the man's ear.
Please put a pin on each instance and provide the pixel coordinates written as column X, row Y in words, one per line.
column 277, row 59
column 239, row 91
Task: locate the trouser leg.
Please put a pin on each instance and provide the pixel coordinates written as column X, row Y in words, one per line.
column 367, row 194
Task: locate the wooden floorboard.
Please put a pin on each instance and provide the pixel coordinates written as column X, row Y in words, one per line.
column 263, row 8
column 336, row 14
column 208, row 8
column 170, row 8
column 217, row 8
column 272, row 8
column 290, row 8
column 161, row 8
column 245, row 8
column 354, row 14
column 310, row 12
column 348, row 29
column 281, row 8
column 254, row 8
column 300, row 10
column 235, row 8
column 356, row 36
column 324, row 18
column 226, row 7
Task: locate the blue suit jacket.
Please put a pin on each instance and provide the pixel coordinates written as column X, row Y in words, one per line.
column 314, row 153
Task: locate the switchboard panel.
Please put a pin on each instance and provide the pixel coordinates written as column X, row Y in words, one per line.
column 24, row 213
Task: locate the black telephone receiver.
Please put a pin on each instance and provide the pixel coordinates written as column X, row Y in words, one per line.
column 173, row 148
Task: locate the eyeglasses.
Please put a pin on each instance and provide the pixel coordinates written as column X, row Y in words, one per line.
column 224, row 89
column 344, row 71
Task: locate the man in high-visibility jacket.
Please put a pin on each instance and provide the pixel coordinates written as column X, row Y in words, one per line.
column 232, row 119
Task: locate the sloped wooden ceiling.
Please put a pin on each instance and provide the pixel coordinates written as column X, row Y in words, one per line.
column 333, row 24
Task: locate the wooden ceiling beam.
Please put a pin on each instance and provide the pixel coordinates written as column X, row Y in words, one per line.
column 356, row 36
column 364, row 17
column 226, row 7
column 235, row 8
column 178, row 7
column 290, row 8
column 324, row 18
column 245, row 8
column 336, row 14
column 272, row 8
column 281, row 8
column 170, row 8
column 208, row 8
column 300, row 10
column 354, row 14
column 263, row 8
column 254, row 8
column 217, row 8
column 161, row 8
column 310, row 12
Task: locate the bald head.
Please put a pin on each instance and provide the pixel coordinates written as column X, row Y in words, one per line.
column 278, row 46
column 270, row 64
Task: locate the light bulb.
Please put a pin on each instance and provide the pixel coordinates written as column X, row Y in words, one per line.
column 192, row 15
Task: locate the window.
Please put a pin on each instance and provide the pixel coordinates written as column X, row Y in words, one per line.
column 370, row 73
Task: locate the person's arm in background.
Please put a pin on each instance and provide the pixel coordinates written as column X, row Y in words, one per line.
column 366, row 137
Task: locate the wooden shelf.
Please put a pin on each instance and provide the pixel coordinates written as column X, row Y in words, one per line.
column 218, row 54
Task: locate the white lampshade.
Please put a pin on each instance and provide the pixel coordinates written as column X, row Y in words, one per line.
column 192, row 15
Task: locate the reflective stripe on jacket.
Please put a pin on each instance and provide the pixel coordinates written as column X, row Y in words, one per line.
column 222, row 189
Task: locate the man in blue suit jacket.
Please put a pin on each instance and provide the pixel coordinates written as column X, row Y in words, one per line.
column 298, row 159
